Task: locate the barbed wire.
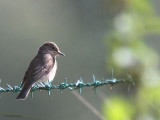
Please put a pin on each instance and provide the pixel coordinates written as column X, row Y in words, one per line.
column 71, row 86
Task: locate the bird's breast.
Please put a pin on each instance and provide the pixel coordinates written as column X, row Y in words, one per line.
column 53, row 72
column 50, row 76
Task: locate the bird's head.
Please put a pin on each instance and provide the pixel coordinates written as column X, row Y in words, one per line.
column 51, row 48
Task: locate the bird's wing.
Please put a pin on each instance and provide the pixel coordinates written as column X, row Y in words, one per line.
column 39, row 67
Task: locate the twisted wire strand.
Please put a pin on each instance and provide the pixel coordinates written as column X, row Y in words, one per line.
column 71, row 86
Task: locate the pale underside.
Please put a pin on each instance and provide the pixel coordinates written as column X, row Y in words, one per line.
column 49, row 77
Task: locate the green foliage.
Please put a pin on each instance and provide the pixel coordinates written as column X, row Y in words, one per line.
column 118, row 108
column 127, row 52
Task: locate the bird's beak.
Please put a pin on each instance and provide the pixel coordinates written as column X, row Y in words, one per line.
column 60, row 53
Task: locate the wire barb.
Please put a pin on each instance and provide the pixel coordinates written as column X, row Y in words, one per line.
column 71, row 86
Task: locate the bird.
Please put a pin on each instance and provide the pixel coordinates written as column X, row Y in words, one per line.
column 42, row 68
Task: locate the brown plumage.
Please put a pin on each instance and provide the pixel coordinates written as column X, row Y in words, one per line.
column 41, row 69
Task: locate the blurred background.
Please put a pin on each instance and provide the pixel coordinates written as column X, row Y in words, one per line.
column 96, row 36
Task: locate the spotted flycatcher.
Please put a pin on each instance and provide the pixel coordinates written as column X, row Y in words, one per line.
column 41, row 69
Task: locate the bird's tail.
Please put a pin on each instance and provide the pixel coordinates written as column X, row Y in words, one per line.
column 24, row 93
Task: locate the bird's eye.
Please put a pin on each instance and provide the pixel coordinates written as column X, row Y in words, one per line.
column 53, row 48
